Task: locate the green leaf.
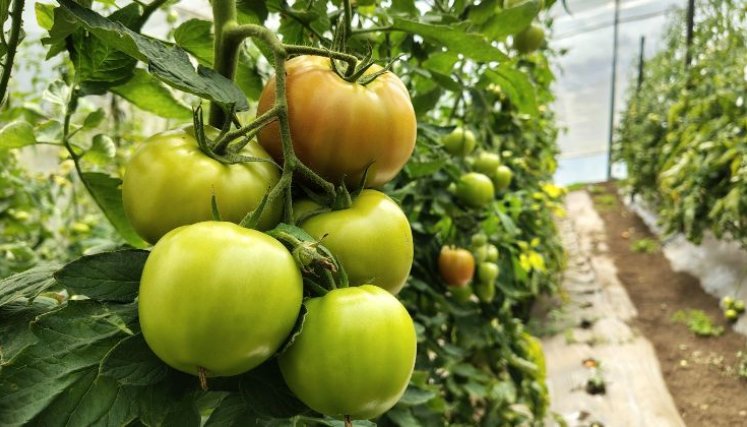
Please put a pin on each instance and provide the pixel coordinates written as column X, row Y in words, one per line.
column 52, row 372
column 107, row 193
column 102, row 150
column 169, row 63
column 94, row 119
column 498, row 23
column 15, row 317
column 16, row 135
column 149, row 94
column 44, row 14
column 133, row 363
column 517, row 86
column 265, row 392
column 196, row 37
column 27, row 284
column 251, row 11
column 99, row 66
column 231, row 412
column 108, row 276
column 456, row 39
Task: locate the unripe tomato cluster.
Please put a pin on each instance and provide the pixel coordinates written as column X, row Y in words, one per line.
column 218, row 299
column 476, row 189
column 732, row 308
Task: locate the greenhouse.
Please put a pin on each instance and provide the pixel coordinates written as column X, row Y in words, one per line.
column 495, row 213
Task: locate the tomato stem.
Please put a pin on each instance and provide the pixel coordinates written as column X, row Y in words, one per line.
column 202, row 374
column 225, row 51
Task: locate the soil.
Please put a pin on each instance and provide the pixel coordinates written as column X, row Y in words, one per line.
column 701, row 372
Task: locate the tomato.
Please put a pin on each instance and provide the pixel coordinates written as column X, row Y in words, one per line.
column 530, row 39
column 731, row 315
column 492, row 255
column 340, row 128
column 371, row 239
column 459, row 142
column 502, row 177
column 456, row 265
column 169, row 182
column 355, row 353
column 507, row 4
column 738, row 306
column 487, row 272
column 486, row 253
column 461, row 293
column 727, row 302
column 479, row 239
column 486, row 163
column 218, row 296
column 475, row 190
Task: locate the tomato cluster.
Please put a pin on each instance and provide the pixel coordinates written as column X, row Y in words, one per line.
column 219, row 299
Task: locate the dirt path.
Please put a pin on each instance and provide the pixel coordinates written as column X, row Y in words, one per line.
column 701, row 373
column 600, row 371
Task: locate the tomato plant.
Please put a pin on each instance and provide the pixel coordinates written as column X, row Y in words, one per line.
column 352, row 326
column 169, row 182
column 340, row 128
column 327, row 70
column 194, row 310
column 371, row 238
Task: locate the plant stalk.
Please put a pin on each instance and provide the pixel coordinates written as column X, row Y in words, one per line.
column 225, row 51
column 15, row 36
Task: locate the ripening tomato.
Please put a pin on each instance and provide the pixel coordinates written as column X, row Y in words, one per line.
column 218, row 296
column 339, row 128
column 456, row 265
column 355, row 353
column 169, row 182
column 372, row 239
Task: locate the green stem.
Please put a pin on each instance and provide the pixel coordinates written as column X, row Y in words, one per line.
column 352, row 60
column 15, row 36
column 148, row 11
column 225, row 50
column 268, row 117
column 348, row 20
column 375, row 29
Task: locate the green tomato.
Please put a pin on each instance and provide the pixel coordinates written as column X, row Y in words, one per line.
column 218, row 296
column 731, row 315
column 486, row 163
column 479, row 239
column 530, row 39
column 169, row 182
column 738, row 306
column 371, row 239
column 492, row 253
column 475, row 190
column 461, row 294
column 485, row 291
column 481, row 254
column 355, row 353
column 502, row 177
column 727, row 302
column 507, row 4
column 487, row 272
column 459, row 142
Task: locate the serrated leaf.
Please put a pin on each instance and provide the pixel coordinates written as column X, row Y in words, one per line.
column 265, row 392
column 169, row 63
column 17, row 134
column 94, row 119
column 107, row 193
column 27, row 284
column 102, row 150
column 517, row 86
column 147, row 93
column 497, row 23
column 72, row 341
column 133, row 363
column 108, row 276
column 44, row 15
column 231, row 412
column 15, row 334
column 456, row 39
column 99, row 66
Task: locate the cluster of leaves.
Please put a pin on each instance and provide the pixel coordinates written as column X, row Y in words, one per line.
column 684, row 133
column 476, row 364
